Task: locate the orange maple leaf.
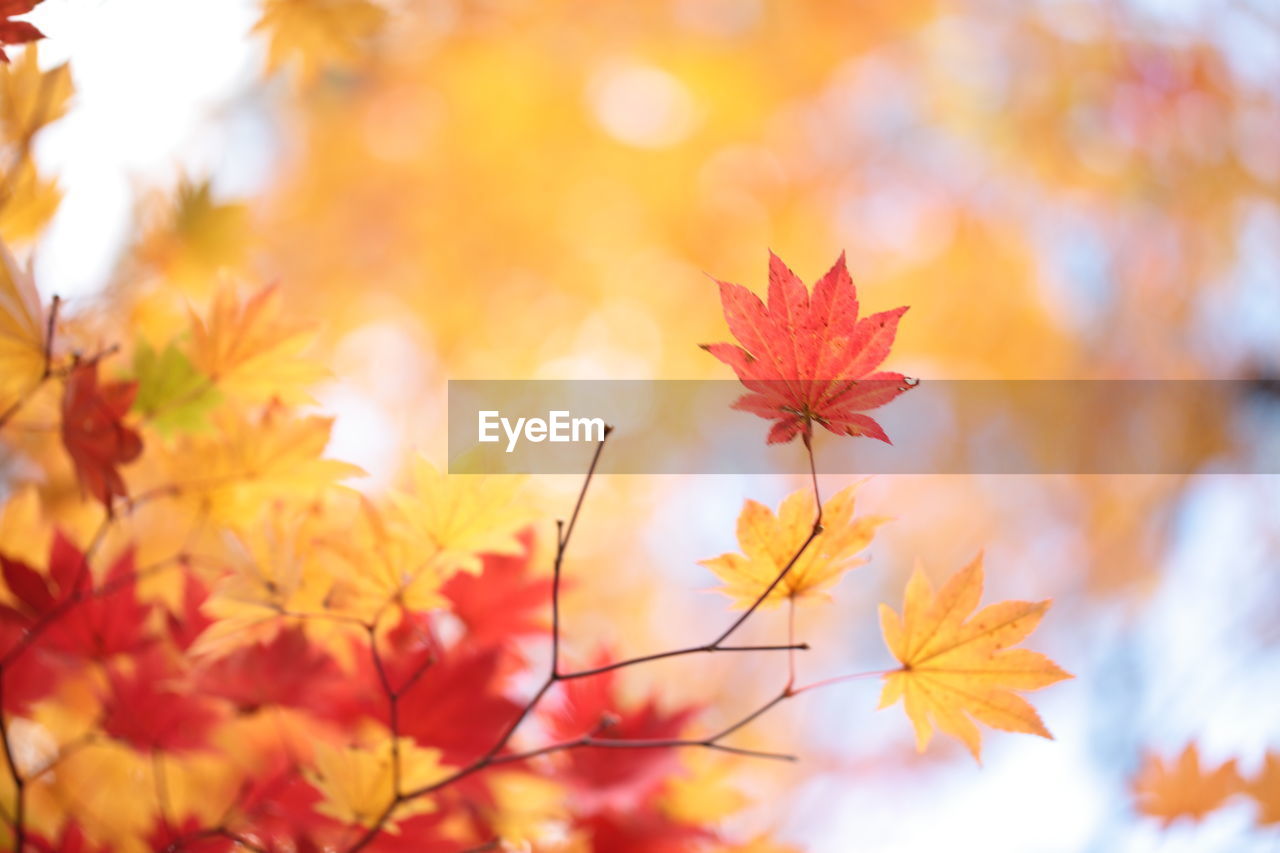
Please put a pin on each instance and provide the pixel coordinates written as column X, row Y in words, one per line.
column 93, row 432
column 808, row 358
column 953, row 669
column 1265, row 788
column 1184, row 789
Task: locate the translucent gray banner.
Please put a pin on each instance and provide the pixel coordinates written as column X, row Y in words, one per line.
column 937, row 427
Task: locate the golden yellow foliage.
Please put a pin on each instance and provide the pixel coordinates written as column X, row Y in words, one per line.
column 22, row 331
column 252, row 349
column 770, row 541
column 358, row 782
column 31, row 98
column 317, row 33
column 454, row 519
column 954, row 666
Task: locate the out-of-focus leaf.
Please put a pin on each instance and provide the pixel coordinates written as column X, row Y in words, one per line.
column 317, row 33
column 172, row 395
column 252, row 349
column 1183, row 788
column 357, row 783
column 94, row 433
column 31, row 98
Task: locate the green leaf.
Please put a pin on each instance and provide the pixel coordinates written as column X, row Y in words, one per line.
column 172, row 394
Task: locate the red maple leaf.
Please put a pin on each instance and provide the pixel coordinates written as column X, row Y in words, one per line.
column 108, row 623
column 92, row 626
column 189, row 835
column 92, row 431
column 286, row 672
column 646, row 830
column 503, row 602
column 809, row 358
column 186, row 628
column 37, row 595
column 16, row 32
column 456, row 706
column 150, row 709
column 277, row 805
column 606, row 778
column 70, row 840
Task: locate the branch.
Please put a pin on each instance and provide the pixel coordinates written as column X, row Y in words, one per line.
column 813, row 534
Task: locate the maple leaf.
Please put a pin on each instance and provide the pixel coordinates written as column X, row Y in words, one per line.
column 93, row 432
column 152, row 711
column 644, row 830
column 809, row 358
column 1184, row 789
column 185, row 626
column 770, row 541
column 249, row 460
column 953, row 669
column 286, row 671
column 504, row 601
column 606, row 779
column 30, row 202
column 36, row 598
column 1265, row 788
column 71, row 839
column 109, row 623
column 456, row 706
column 22, row 331
column 195, row 236
column 172, row 395
column 373, row 565
column 455, row 519
column 317, row 32
column 357, row 783
column 250, row 349
column 16, row 32
column 31, row 98
column 273, row 570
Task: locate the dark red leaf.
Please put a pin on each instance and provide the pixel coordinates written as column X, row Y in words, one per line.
column 93, row 433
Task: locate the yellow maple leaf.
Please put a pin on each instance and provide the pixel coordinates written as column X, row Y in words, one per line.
column 706, row 794
column 529, row 811
column 1184, row 788
column 357, row 783
column 953, row 669
column 248, row 460
column 317, row 33
column 27, row 202
column 22, row 331
column 1265, row 788
column 31, row 98
column 455, row 519
column 769, row 542
column 374, row 565
column 271, row 571
column 252, row 350
column 195, row 236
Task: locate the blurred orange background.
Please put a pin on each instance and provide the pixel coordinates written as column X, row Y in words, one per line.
column 513, row 189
